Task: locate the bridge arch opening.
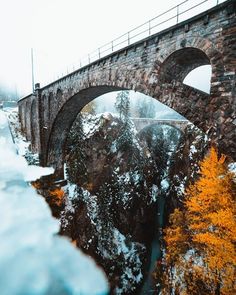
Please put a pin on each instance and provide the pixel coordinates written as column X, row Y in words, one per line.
column 141, row 107
column 180, row 63
column 101, row 123
column 200, row 78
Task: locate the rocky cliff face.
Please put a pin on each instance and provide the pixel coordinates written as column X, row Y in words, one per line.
column 191, row 149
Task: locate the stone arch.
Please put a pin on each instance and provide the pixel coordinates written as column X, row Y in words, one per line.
column 208, row 54
column 22, row 117
column 181, row 62
column 50, row 105
column 45, row 100
column 33, row 112
column 67, row 114
column 59, row 97
column 194, row 41
column 28, row 119
column 169, row 124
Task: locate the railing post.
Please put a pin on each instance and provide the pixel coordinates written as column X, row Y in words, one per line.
column 89, row 58
column 99, row 53
column 112, row 46
column 128, row 39
column 177, row 15
column 149, row 28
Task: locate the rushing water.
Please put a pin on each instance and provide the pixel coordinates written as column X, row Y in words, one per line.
column 155, row 248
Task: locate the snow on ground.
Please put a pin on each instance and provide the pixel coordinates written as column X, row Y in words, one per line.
column 165, row 184
column 20, row 142
column 232, row 167
column 22, row 145
column 92, row 123
column 132, row 271
column 115, row 246
column 193, row 150
column 33, row 259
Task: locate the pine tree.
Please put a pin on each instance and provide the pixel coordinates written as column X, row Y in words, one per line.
column 75, row 149
column 122, row 105
column 206, row 231
column 125, row 137
column 146, row 107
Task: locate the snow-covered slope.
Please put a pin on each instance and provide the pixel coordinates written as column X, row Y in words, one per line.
column 33, row 259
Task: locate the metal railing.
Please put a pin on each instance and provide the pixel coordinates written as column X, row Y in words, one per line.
column 172, row 16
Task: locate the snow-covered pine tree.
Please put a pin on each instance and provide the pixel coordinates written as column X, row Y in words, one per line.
column 146, row 108
column 122, row 105
column 75, row 150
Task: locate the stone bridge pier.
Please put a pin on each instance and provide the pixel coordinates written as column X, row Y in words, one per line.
column 155, row 66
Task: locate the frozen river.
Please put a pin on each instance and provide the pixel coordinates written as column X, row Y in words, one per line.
column 33, row 258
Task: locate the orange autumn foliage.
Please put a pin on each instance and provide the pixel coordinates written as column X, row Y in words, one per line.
column 89, row 186
column 207, row 228
column 57, row 195
column 36, row 184
column 210, row 211
column 176, row 236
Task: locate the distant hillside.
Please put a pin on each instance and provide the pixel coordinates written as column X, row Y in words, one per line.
column 7, row 94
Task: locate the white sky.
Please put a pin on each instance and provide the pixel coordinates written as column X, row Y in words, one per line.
column 63, row 31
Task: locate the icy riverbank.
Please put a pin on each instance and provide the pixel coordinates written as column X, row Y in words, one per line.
column 33, row 259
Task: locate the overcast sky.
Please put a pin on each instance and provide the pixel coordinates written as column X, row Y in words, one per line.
column 62, row 31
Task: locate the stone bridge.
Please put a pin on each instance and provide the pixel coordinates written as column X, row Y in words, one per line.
column 155, row 66
column 141, row 123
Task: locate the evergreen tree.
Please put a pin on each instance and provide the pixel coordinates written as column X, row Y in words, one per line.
column 201, row 244
column 122, row 105
column 146, row 107
column 75, row 150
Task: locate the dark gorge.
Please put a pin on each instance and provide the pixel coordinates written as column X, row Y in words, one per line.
column 119, row 190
